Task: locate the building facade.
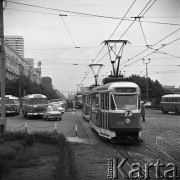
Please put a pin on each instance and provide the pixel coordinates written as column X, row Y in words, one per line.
column 47, row 82
column 16, row 66
column 17, row 43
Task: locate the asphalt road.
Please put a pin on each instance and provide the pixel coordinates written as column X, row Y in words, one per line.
column 66, row 125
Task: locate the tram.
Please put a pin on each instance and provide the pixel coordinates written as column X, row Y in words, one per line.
column 114, row 106
column 86, row 105
column 115, row 110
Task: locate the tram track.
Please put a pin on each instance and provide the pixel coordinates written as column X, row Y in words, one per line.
column 156, row 134
column 162, row 153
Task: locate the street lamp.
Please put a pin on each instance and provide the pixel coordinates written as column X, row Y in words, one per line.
column 146, row 62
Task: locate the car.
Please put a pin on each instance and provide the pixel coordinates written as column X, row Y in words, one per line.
column 52, row 114
column 59, row 107
column 147, row 104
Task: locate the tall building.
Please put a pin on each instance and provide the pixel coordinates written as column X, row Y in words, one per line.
column 17, row 43
column 46, row 82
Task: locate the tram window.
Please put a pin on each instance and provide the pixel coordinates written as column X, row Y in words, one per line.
column 102, row 101
column 112, row 103
column 95, row 100
column 126, row 101
column 88, row 99
column 106, row 101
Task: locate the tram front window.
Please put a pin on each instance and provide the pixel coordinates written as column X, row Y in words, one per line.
column 125, row 101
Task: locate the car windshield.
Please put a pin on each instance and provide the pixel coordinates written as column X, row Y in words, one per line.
column 34, row 101
column 126, row 101
column 9, row 101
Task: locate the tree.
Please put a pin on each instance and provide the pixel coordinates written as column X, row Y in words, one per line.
column 12, row 88
column 155, row 89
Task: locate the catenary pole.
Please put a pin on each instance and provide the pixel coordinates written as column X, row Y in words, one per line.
column 3, row 72
column 147, row 62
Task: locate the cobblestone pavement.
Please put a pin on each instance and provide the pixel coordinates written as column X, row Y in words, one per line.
column 161, row 140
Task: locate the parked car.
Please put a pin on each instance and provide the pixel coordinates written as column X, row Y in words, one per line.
column 147, row 104
column 156, row 103
column 52, row 114
column 59, row 107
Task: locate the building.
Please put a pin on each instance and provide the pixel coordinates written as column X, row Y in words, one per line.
column 16, row 65
column 17, row 43
column 47, row 82
column 13, row 62
column 30, row 62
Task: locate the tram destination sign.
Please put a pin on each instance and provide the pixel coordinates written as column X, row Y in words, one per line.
column 125, row 90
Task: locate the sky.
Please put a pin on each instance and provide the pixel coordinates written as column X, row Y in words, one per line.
column 67, row 35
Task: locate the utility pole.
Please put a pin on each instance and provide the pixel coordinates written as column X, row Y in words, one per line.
column 147, row 62
column 3, row 72
column 20, row 81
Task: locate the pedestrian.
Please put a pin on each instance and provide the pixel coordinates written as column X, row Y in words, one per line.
column 71, row 104
column 143, row 111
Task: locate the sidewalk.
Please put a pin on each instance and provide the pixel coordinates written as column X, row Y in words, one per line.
column 73, row 127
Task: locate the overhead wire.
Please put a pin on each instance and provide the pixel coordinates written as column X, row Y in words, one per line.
column 70, row 35
column 83, row 14
column 151, row 53
column 130, row 25
column 112, row 34
column 152, row 46
column 161, row 52
column 122, row 19
column 143, row 32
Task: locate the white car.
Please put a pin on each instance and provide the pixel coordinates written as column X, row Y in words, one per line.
column 59, row 107
column 51, row 113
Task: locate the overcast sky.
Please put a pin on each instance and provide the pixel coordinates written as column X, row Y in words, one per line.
column 53, row 39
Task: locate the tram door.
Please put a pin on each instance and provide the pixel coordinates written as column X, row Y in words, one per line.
column 104, row 110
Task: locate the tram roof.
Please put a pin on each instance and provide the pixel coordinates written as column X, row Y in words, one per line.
column 110, row 86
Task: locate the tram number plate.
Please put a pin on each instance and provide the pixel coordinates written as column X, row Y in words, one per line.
column 120, row 123
column 128, row 113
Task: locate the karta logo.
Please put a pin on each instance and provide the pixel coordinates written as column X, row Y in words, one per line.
column 139, row 171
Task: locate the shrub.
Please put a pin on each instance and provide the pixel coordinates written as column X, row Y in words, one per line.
column 64, row 165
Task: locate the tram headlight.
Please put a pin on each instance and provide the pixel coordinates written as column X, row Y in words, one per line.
column 127, row 121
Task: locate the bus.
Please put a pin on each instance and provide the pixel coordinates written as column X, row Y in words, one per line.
column 170, row 103
column 12, row 104
column 34, row 105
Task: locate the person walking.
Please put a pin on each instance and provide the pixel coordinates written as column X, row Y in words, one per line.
column 143, row 111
